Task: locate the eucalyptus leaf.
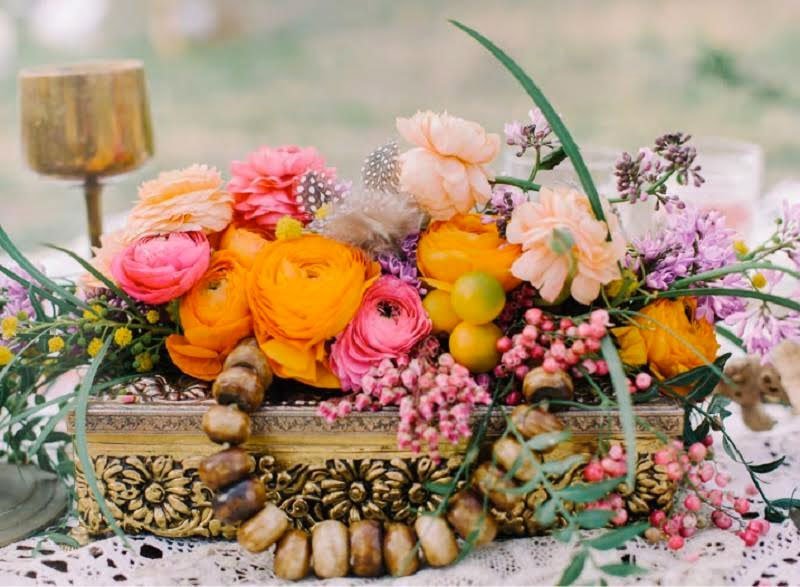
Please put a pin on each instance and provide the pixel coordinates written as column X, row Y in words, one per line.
column 767, row 467
column 620, row 384
column 587, row 492
column 623, row 570
column 593, row 519
column 785, row 503
column 546, row 513
column 552, row 159
column 561, row 467
column 574, row 569
column 547, row 440
column 439, row 488
column 618, row 537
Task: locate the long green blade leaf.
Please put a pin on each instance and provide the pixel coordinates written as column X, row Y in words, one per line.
column 558, row 126
column 623, row 394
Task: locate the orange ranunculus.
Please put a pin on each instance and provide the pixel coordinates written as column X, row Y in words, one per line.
column 668, row 338
column 450, row 248
column 244, row 243
column 215, row 316
column 303, row 291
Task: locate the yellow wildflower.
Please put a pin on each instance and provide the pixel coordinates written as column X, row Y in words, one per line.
column 94, row 313
column 152, row 316
column 94, row 347
column 740, row 247
column 144, row 362
column 5, row 355
column 22, row 315
column 9, row 326
column 55, row 344
column 123, row 337
column 288, row 227
column 758, row 280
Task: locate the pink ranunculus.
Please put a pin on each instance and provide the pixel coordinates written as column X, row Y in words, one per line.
column 390, row 321
column 264, row 185
column 158, row 269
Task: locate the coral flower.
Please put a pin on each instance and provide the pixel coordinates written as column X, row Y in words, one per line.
column 390, row 321
column 446, row 171
column 669, row 338
column 263, row 186
column 215, row 316
column 448, row 249
column 184, row 200
column 111, row 244
column 158, row 269
column 244, row 243
column 564, row 244
column 303, row 291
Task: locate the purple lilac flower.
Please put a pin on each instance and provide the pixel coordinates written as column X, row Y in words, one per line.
column 404, row 263
column 14, row 298
column 504, row 199
column 534, row 135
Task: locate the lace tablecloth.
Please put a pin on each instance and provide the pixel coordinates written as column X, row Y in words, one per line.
column 712, row 557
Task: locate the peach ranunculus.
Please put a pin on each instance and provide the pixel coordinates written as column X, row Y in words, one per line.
column 184, row 200
column 668, row 338
column 390, row 321
column 264, row 185
column 448, row 249
column 303, row 291
column 215, row 316
column 565, row 245
column 446, row 170
column 158, row 269
column 111, row 243
column 244, row 243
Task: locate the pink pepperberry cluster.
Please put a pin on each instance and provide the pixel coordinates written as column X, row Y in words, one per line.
column 707, row 500
column 436, row 397
column 518, row 301
column 608, row 467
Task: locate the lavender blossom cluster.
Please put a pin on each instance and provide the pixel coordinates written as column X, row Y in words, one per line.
column 14, row 298
column 403, row 264
column 504, row 199
column 533, row 135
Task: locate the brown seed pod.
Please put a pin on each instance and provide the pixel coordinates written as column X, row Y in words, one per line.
column 293, row 555
column 540, row 385
column 226, row 424
column 399, row 550
column 437, row 540
column 466, row 515
column 366, row 545
column 532, row 421
column 330, row 545
column 241, row 386
column 240, row 501
column 507, row 451
column 264, row 529
column 491, row 481
column 225, row 467
column 248, row 354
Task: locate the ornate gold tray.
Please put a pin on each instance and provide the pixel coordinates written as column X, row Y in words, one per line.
column 146, row 454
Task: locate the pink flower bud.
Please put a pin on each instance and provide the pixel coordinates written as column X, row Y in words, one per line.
column 749, row 537
column 663, row 457
column 675, row 542
column 708, row 440
column 715, row 497
column 585, row 330
column 597, row 331
column 688, row 532
column 706, row 472
column 643, row 381
column 620, row 518
column 721, row 520
column 503, row 344
column 594, row 472
column 533, row 316
column 657, row 518
column 616, row 452
column 514, row 398
column 600, row 318
column 721, row 479
column 692, row 503
column 550, row 365
column 741, row 505
column 674, row 471
column 697, row 452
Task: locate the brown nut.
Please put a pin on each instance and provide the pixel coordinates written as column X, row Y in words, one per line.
column 248, row 354
column 264, row 529
column 491, row 481
column 241, row 386
column 540, row 385
column 226, row 424
column 239, row 502
column 532, row 421
column 366, row 545
column 507, row 452
column 225, row 467
column 437, row 540
column 292, row 556
column 400, row 550
column 330, row 545
column 467, row 516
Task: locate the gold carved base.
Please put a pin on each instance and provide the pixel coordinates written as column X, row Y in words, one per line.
column 145, row 456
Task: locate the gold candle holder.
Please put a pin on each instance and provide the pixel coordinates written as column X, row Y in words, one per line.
column 86, row 121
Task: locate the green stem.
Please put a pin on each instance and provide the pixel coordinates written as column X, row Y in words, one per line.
column 737, row 268
column 527, row 186
column 721, row 291
column 535, row 169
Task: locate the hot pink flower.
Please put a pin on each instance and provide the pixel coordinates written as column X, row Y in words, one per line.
column 390, row 321
column 158, row 269
column 263, row 187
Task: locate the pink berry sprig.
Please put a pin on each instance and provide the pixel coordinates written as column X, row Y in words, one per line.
column 611, row 465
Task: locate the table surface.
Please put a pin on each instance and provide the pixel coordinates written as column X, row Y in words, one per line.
column 712, row 557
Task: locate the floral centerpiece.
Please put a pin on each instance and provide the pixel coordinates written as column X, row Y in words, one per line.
column 437, row 288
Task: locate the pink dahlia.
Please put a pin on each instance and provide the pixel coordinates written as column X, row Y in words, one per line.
column 263, row 186
column 390, row 321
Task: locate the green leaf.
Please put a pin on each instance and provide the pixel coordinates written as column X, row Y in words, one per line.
column 561, row 467
column 550, row 114
column 718, row 405
column 574, row 569
column 63, row 539
column 523, row 184
column 81, row 446
column 564, row 535
column 439, row 488
column 725, row 333
column 703, row 389
column 547, row 440
column 46, row 432
column 730, row 292
column 546, row 513
column 587, row 492
column 552, row 159
column 785, row 503
column 767, row 467
column 729, row 450
column 623, row 570
column 618, row 537
column 620, row 384
column 593, row 519
column 773, row 515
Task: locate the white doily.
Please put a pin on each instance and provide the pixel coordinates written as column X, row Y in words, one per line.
column 712, row 557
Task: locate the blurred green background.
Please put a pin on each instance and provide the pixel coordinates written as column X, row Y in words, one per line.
column 226, row 76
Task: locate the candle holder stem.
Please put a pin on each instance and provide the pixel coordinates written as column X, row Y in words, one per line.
column 94, row 214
